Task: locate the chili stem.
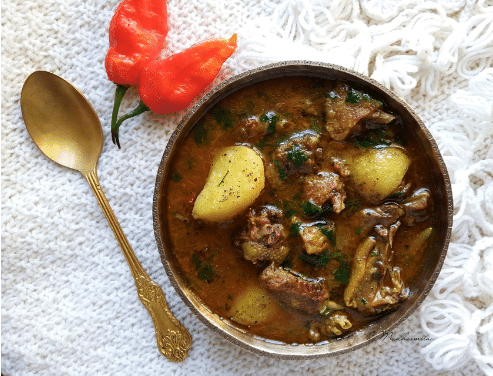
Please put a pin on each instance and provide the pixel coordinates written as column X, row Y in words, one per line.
column 119, row 94
column 141, row 108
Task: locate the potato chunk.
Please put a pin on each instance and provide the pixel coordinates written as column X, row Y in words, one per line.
column 253, row 306
column 378, row 172
column 235, row 180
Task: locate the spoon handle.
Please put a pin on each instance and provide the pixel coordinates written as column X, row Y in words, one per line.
column 173, row 340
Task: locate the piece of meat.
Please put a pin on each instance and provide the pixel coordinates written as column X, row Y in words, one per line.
column 265, row 236
column 251, row 129
column 299, row 153
column 336, row 324
column 314, row 240
column 325, row 187
column 415, row 206
column 375, row 285
column 344, row 118
column 367, row 219
column 294, row 291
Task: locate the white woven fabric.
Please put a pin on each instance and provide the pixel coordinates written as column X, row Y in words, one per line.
column 69, row 305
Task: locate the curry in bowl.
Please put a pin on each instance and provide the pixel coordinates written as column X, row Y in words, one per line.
column 299, row 209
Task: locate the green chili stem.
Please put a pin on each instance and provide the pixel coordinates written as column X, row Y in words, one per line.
column 119, row 94
column 141, row 108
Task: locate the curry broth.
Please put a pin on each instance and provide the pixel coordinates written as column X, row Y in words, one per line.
column 211, row 263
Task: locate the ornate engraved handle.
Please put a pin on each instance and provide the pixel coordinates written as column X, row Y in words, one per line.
column 173, row 340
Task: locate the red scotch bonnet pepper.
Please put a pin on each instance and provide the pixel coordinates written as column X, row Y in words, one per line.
column 137, row 34
column 170, row 85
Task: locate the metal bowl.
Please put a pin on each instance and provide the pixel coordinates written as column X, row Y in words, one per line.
column 442, row 220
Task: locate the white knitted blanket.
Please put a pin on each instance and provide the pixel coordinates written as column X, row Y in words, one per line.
column 69, row 304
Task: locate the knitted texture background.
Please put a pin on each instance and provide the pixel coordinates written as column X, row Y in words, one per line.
column 69, row 304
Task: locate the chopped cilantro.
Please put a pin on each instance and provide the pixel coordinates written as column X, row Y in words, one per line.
column 229, row 297
column 366, row 97
column 262, row 94
column 329, row 234
column 206, row 272
column 314, row 125
column 310, row 209
column 196, row 261
column 262, row 143
column 295, row 228
column 287, row 264
column 223, row 117
column 316, row 260
column 307, row 325
column 297, row 196
column 357, row 231
column 374, row 139
column 270, row 118
column 290, row 212
column 352, row 205
column 280, row 170
column 200, row 133
column 176, row 177
column 342, row 273
column 363, row 301
column 296, row 155
column 354, row 96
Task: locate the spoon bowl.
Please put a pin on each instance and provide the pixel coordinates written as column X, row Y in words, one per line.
column 47, row 102
column 65, row 127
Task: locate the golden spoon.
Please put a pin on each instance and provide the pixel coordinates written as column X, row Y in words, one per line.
column 65, row 127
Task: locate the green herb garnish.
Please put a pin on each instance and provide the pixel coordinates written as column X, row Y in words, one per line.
column 196, row 261
column 354, row 96
column 363, row 301
column 316, row 260
column 357, row 231
column 206, row 272
column 329, row 234
column 374, row 138
column 200, row 133
column 270, row 118
column 287, row 264
column 310, row 209
column 314, row 125
column 366, row 97
column 342, row 273
column 176, row 177
column 295, row 228
column 352, row 205
column 290, row 212
column 280, row 170
column 223, row 117
column 296, row 155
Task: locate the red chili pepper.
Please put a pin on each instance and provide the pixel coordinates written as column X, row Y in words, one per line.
column 137, row 35
column 169, row 85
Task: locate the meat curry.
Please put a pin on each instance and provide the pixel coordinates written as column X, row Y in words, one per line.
column 297, row 209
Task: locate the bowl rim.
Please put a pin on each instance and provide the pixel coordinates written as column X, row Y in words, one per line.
column 259, row 345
